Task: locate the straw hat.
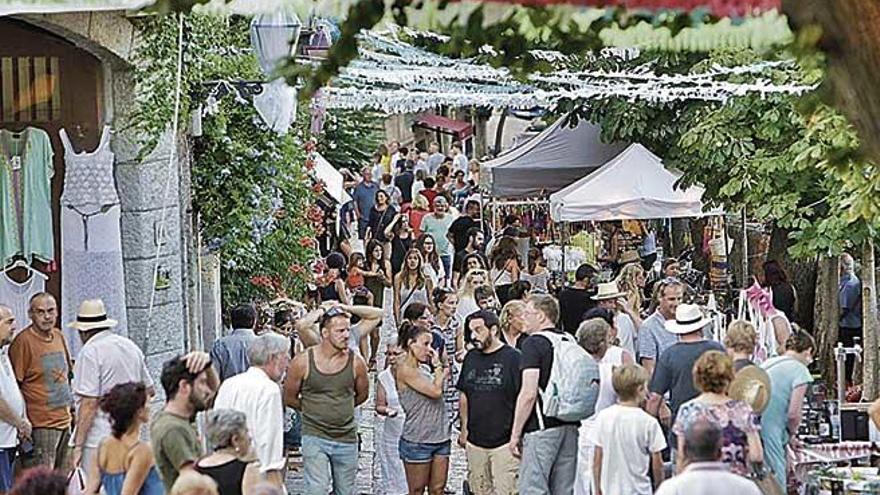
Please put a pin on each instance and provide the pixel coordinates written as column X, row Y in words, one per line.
column 608, row 290
column 92, row 315
column 688, row 318
column 752, row 386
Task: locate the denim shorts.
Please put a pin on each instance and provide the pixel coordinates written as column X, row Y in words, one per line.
column 420, row 453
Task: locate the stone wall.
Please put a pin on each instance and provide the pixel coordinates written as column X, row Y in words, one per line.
column 110, row 37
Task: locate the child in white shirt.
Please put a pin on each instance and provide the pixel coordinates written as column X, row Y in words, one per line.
column 627, row 438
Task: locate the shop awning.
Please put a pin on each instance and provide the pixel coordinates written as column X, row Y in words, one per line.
column 634, row 185
column 241, row 7
column 438, row 123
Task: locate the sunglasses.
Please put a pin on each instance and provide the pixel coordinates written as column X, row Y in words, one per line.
column 333, row 312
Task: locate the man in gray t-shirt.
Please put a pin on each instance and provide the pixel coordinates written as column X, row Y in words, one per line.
column 654, row 338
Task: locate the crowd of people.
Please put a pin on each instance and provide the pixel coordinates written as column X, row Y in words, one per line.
column 603, row 386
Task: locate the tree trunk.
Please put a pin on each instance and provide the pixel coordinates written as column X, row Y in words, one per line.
column 851, row 41
column 870, row 324
column 826, row 316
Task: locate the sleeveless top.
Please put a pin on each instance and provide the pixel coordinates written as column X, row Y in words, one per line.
column 426, row 419
column 328, row 403
column 111, row 483
column 227, row 475
column 88, row 176
column 409, row 296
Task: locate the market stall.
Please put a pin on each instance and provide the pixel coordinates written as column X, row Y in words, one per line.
column 550, row 161
column 634, row 185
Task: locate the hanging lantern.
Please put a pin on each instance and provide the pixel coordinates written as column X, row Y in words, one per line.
column 274, row 37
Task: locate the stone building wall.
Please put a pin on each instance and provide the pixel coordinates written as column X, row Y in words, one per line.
column 110, row 37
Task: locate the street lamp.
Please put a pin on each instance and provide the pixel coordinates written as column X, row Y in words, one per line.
column 274, row 37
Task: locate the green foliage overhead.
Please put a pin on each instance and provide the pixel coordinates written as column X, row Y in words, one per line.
column 784, row 158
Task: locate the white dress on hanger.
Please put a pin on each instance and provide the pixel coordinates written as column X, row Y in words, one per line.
column 91, row 242
column 17, row 296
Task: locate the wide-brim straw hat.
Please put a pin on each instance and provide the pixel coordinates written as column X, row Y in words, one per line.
column 752, row 386
column 688, row 318
column 92, row 315
column 608, row 290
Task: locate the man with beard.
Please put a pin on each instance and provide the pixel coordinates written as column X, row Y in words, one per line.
column 13, row 423
column 189, row 382
column 475, row 239
column 489, row 385
column 325, row 384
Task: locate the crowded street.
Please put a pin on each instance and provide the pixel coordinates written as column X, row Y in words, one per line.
column 572, row 247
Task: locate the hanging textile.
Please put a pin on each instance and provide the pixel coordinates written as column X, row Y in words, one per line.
column 25, row 195
column 17, row 296
column 91, row 244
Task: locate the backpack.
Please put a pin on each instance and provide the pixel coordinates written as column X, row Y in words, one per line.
column 573, row 386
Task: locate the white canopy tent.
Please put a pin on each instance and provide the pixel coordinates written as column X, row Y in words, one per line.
column 634, row 185
column 549, row 161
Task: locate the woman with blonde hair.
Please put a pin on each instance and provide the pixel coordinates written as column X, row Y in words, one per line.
column 411, row 285
column 740, row 341
column 741, row 441
column 467, row 303
column 513, row 323
column 632, row 281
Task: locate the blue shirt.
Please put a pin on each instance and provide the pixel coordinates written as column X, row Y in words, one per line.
column 849, row 295
column 365, row 198
column 654, row 338
column 230, row 353
column 786, row 374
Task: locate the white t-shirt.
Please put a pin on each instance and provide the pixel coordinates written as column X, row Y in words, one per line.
column 626, row 332
column 708, row 478
column 10, row 393
column 105, row 361
column 628, row 436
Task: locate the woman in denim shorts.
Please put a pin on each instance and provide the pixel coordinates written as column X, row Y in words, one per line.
column 424, row 443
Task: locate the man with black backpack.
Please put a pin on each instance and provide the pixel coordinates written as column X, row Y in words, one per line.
column 560, row 384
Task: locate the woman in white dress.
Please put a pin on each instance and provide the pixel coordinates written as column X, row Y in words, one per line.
column 392, row 478
column 595, row 336
column 432, row 266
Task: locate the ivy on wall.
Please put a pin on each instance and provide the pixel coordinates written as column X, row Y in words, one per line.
column 250, row 190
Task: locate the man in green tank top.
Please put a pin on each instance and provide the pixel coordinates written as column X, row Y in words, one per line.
column 325, row 384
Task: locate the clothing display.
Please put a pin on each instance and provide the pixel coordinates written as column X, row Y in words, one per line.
column 25, row 195
column 17, row 296
column 91, row 242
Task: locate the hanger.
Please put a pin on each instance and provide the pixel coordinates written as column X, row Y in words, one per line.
column 20, row 263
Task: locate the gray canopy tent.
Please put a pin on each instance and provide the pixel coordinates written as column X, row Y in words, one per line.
column 549, row 161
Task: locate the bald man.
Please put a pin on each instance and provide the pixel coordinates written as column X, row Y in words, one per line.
column 14, row 426
column 41, row 363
